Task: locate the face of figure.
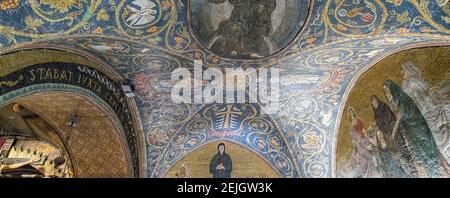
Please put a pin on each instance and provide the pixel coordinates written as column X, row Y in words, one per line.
column 374, row 102
column 59, row 161
column 234, row 31
column 260, row 8
column 221, row 149
column 405, row 73
column 387, row 92
column 236, row 2
column 183, row 169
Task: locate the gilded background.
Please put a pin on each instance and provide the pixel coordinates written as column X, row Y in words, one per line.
column 433, row 63
column 246, row 164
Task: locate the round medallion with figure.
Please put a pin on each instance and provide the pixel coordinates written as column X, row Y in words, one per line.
column 250, row 29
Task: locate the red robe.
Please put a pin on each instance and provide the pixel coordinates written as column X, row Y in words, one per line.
column 359, row 127
column 2, row 141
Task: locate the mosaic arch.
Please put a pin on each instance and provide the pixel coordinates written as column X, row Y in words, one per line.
column 310, row 107
column 245, row 163
column 242, row 124
column 53, row 70
column 396, row 125
column 55, row 105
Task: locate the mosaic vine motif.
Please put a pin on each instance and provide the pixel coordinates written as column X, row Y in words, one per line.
column 240, row 123
column 312, row 82
column 165, row 23
column 314, row 76
column 44, row 18
column 340, row 18
column 353, row 18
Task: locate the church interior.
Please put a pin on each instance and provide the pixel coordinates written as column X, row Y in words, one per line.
column 87, row 89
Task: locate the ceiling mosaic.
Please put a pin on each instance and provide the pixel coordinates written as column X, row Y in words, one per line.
column 145, row 40
column 167, row 24
column 247, row 29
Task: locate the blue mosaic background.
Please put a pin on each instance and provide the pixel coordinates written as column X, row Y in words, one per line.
column 340, row 39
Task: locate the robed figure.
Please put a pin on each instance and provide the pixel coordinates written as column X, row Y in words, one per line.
column 433, row 105
column 361, row 162
column 391, row 153
column 411, row 123
column 246, row 33
column 221, row 165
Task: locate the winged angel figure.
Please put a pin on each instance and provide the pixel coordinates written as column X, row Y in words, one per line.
column 142, row 12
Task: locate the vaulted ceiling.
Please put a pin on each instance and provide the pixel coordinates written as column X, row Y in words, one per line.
column 338, row 40
column 95, row 145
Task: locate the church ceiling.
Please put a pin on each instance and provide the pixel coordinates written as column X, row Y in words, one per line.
column 337, row 41
column 169, row 27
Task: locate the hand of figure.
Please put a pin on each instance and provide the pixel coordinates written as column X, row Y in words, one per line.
column 220, row 167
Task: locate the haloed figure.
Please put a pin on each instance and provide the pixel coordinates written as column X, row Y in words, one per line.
column 221, row 164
